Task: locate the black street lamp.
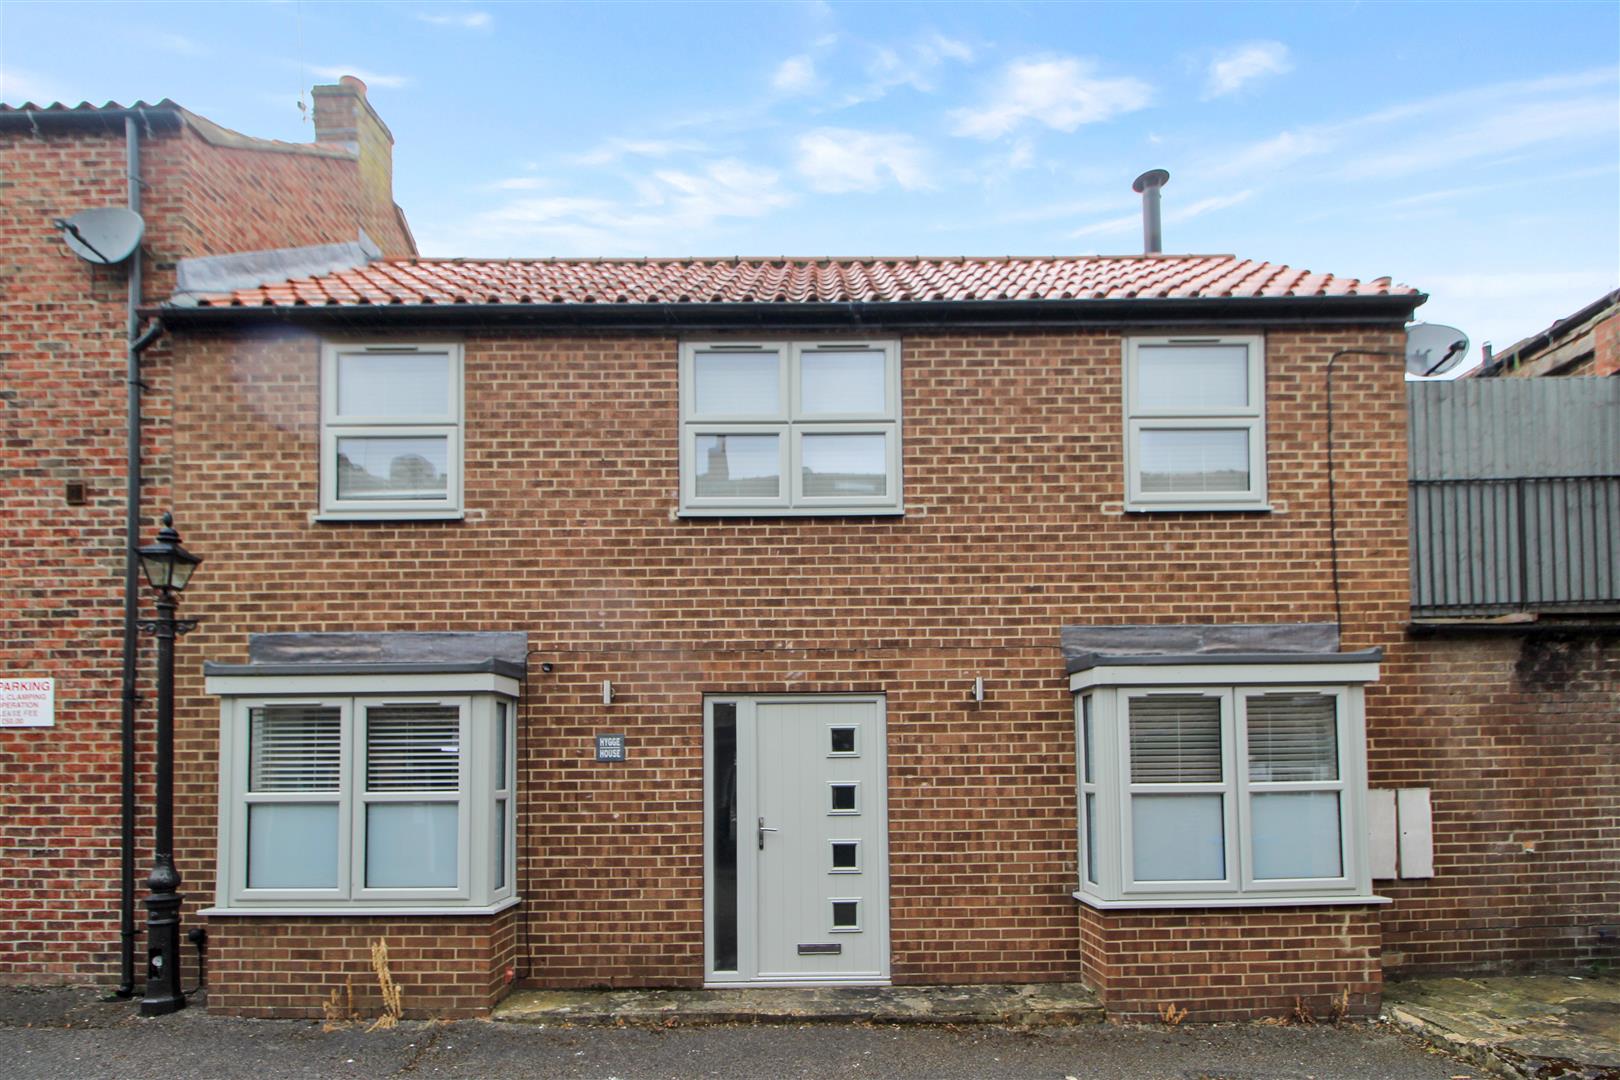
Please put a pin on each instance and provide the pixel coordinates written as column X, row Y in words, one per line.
column 168, row 568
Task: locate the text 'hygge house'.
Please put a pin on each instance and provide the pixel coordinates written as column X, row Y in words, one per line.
column 800, row 621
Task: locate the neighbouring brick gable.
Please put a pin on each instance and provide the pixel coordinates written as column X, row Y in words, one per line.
column 62, row 410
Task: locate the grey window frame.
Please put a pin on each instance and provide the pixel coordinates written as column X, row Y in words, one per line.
column 449, row 425
column 1110, row 690
column 1251, row 418
column 475, row 697
column 790, row 423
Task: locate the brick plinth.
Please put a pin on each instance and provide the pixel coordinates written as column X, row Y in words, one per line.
column 1232, row 963
column 446, row 966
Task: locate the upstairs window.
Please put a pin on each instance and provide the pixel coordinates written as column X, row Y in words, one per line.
column 1195, row 433
column 391, row 431
column 790, row 428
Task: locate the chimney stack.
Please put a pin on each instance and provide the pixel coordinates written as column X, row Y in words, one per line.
column 344, row 117
column 1147, row 185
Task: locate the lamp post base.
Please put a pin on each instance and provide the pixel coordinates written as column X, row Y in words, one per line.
column 163, row 993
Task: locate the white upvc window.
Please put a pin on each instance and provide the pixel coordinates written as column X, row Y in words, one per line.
column 1195, row 427
column 790, row 428
column 366, row 801
column 1195, row 792
column 391, row 431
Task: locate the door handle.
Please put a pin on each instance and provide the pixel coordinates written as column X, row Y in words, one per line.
column 763, row 829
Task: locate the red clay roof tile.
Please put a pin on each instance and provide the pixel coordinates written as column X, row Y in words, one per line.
column 798, row 281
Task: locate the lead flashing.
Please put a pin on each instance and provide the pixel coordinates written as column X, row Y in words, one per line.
column 1088, row 661
column 211, row 274
column 491, row 666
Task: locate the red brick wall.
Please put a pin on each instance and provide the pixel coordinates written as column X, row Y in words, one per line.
column 62, row 408
column 1605, row 348
column 444, row 966
column 1233, row 964
column 1013, row 488
column 1518, row 739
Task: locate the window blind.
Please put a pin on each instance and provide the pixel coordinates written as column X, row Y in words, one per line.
column 1293, row 737
column 294, row 748
column 1175, row 739
column 413, row 748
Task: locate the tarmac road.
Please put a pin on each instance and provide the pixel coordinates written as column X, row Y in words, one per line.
column 68, row 1033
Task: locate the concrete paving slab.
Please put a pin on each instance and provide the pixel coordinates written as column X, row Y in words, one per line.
column 1036, row 1005
column 1538, row 1027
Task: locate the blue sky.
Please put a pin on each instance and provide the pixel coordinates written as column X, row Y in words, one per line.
column 1472, row 150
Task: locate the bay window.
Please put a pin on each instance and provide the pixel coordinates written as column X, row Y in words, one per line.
column 790, row 428
column 390, row 797
column 1205, row 784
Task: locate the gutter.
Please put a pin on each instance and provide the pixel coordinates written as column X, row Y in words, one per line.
column 785, row 315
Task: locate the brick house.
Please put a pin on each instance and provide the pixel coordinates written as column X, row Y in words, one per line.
column 715, row 622
column 1585, row 343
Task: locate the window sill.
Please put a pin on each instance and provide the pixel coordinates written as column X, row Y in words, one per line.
column 1228, row 902
column 792, row 512
column 365, row 910
column 321, row 518
column 1202, row 508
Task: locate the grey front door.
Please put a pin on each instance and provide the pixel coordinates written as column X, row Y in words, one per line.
column 797, row 840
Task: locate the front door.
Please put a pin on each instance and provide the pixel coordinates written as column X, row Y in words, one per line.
column 797, row 844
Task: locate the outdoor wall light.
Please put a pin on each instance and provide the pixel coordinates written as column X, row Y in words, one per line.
column 978, row 688
column 168, row 568
column 607, row 692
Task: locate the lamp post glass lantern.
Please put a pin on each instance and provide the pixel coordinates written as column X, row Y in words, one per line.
column 168, row 568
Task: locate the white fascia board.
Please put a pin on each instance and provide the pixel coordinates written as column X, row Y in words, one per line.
column 1218, row 674
column 479, row 682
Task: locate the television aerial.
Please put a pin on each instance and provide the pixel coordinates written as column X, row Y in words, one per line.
column 103, row 236
column 1432, row 349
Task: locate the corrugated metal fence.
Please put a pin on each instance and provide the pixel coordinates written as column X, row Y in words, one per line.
column 1515, row 495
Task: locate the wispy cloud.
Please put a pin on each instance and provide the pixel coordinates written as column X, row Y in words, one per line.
column 1060, row 92
column 917, row 64
column 370, row 78
column 1441, row 133
column 795, row 75
column 667, row 206
column 840, row 159
column 461, row 20
column 1126, row 222
column 1494, row 134
column 19, row 85
column 1235, row 68
column 1453, row 194
column 520, row 183
column 170, row 42
column 610, row 151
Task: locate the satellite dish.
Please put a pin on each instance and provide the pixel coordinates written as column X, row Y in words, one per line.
column 1432, row 349
column 103, row 236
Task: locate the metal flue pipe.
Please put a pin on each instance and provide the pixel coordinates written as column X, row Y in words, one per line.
column 1147, row 185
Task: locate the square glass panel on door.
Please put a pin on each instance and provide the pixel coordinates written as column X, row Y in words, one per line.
column 797, row 845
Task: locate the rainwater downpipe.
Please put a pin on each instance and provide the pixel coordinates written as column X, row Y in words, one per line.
column 138, row 341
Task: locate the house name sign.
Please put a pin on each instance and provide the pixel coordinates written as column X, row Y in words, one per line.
column 27, row 703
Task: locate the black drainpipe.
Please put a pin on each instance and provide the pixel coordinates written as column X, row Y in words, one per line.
column 138, row 342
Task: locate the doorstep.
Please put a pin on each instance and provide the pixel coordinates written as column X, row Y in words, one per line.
column 1530, row 1026
column 1029, row 1005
